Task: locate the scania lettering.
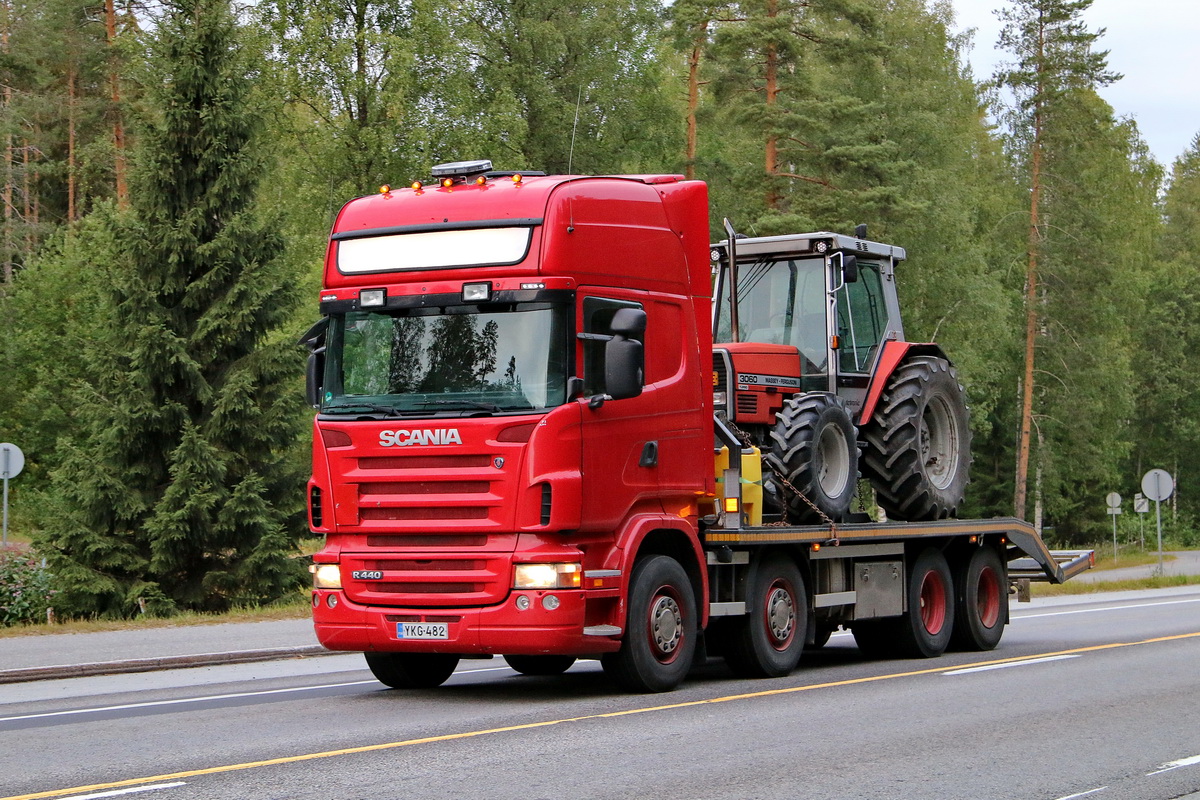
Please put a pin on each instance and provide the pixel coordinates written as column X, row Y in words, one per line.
column 606, row 454
column 404, row 438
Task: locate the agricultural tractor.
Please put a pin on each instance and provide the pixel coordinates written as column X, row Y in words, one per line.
column 810, row 365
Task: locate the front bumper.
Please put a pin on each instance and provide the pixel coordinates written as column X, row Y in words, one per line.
column 502, row 629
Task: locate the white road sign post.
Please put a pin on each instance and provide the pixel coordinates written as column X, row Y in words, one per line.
column 1141, row 504
column 1114, row 508
column 12, row 461
column 1157, row 484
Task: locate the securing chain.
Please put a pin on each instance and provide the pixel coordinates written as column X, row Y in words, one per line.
column 782, row 479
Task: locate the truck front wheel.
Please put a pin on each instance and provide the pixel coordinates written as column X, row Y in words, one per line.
column 411, row 670
column 660, row 635
column 768, row 641
column 540, row 665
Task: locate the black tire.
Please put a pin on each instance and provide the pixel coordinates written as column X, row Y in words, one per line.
column 821, row 637
column 768, row 641
column 876, row 638
column 918, row 442
column 924, row 630
column 660, row 632
column 981, row 601
column 540, row 665
column 411, row 670
column 815, row 446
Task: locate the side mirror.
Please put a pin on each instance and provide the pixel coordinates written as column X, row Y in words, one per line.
column 845, row 270
column 850, row 269
column 313, row 377
column 624, row 358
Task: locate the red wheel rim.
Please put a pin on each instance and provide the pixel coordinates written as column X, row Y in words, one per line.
column 987, row 598
column 933, row 602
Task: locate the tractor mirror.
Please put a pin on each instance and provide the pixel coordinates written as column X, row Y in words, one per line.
column 850, row 269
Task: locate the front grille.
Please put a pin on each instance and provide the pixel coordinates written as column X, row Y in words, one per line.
column 720, row 371
column 365, row 490
column 394, row 541
column 425, row 462
column 421, row 513
column 747, row 404
column 427, row 588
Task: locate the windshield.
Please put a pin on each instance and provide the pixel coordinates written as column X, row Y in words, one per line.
column 413, row 362
column 780, row 302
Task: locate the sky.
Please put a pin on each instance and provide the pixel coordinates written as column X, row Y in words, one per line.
column 1155, row 44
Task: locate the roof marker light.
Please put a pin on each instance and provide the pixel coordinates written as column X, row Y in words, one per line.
column 480, row 181
column 417, row 186
column 517, row 178
column 447, row 182
column 385, row 189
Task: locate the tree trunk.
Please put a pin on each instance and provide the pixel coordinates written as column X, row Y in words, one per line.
column 1031, row 291
column 6, row 240
column 72, row 108
column 693, row 100
column 120, row 168
column 771, row 92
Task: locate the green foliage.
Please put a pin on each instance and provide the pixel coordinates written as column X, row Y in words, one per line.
column 26, row 588
column 177, row 490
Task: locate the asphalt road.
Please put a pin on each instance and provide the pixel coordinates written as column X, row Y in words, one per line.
column 1096, row 697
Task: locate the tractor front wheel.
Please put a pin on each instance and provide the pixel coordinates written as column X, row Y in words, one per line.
column 815, row 447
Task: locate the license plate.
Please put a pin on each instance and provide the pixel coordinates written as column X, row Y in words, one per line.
column 422, row 630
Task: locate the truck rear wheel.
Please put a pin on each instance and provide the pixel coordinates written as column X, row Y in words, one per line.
column 540, row 665
column 918, row 443
column 768, row 641
column 660, row 633
column 411, row 670
column 815, row 446
column 981, row 597
column 924, row 630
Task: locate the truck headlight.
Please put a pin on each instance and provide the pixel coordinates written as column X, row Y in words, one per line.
column 326, row 576
column 547, row 576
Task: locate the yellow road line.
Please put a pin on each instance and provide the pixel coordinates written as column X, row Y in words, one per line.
column 450, row 737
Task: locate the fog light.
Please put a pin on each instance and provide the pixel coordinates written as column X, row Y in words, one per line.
column 549, row 602
column 331, row 601
column 522, row 602
column 316, row 599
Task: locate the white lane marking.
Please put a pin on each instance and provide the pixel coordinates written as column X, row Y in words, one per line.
column 181, row 701
column 119, row 792
column 1105, row 608
column 1170, row 765
column 207, row 698
column 1008, row 664
column 1083, row 794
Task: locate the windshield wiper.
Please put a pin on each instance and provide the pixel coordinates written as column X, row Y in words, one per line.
column 354, row 408
column 491, row 407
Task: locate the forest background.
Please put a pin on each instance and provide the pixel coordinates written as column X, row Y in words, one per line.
column 170, row 173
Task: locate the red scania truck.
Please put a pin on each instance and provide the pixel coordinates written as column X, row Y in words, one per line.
column 527, row 445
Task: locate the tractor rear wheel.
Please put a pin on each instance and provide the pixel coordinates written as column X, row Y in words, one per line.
column 815, row 447
column 918, row 443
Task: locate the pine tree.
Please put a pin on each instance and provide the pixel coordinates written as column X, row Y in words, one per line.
column 178, row 492
column 1054, row 57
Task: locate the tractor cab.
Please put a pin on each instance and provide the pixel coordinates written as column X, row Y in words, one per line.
column 823, row 303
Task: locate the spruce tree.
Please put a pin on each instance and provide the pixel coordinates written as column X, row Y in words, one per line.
column 178, row 492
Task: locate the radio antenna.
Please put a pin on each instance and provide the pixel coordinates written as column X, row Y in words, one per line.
column 575, row 127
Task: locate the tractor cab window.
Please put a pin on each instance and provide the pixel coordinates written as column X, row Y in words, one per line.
column 862, row 320
column 782, row 302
